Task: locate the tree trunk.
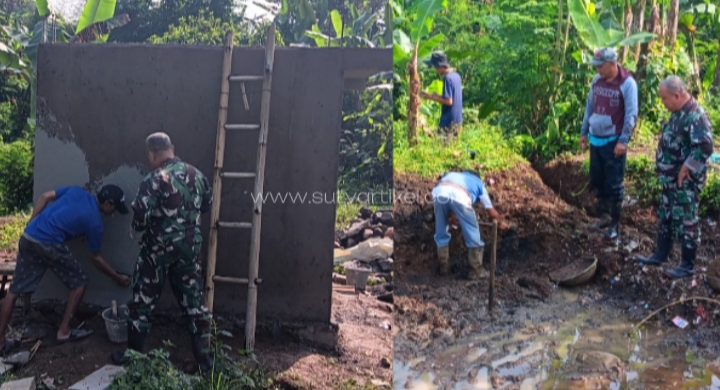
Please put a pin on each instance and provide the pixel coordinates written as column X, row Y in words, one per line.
column 414, row 104
column 716, row 83
column 639, row 24
column 628, row 27
column 653, row 26
column 672, row 23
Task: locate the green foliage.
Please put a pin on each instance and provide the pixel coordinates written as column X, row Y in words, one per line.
column 430, row 158
column 643, row 180
column 11, row 231
column 710, row 195
column 15, row 176
column 206, row 29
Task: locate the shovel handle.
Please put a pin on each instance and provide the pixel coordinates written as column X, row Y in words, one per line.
column 114, row 308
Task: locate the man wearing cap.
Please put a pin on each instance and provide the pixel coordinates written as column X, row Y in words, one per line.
column 610, row 117
column 684, row 148
column 455, row 193
column 167, row 212
column 451, row 113
column 59, row 216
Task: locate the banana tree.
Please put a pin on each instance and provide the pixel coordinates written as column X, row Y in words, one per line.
column 594, row 35
column 355, row 33
column 413, row 43
column 702, row 17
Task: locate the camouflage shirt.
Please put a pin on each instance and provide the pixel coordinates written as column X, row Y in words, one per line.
column 169, row 202
column 686, row 139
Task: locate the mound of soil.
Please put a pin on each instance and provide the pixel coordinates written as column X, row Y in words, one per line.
column 567, row 179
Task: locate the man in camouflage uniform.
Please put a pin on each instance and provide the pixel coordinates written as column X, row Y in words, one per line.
column 167, row 212
column 683, row 151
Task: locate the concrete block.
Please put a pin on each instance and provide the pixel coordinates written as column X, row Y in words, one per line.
column 98, row 380
column 20, row 384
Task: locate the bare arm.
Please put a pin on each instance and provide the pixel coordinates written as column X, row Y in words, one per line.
column 103, row 266
column 438, row 98
column 42, row 203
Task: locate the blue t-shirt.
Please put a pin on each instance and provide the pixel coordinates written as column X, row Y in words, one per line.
column 472, row 183
column 74, row 213
column 452, row 88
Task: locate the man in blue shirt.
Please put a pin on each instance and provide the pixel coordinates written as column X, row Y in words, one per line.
column 451, row 114
column 455, row 193
column 59, row 216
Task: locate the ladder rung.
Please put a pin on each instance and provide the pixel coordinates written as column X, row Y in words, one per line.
column 241, row 127
column 239, row 225
column 238, row 175
column 246, row 78
column 229, row 279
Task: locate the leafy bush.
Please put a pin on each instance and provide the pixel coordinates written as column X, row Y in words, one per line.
column 643, row 180
column 15, row 177
column 11, row 231
column 710, row 195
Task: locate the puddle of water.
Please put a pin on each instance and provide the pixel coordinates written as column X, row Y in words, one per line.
column 543, row 356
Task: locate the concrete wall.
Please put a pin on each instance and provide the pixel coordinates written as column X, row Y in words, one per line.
column 97, row 103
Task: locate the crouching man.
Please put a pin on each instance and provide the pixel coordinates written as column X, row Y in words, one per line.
column 684, row 148
column 455, row 193
column 59, row 216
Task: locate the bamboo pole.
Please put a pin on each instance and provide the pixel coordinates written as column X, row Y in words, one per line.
column 493, row 258
column 217, row 181
column 255, row 235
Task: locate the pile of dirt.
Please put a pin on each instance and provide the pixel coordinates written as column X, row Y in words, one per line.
column 366, row 226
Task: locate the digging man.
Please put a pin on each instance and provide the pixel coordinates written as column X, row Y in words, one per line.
column 455, row 193
column 683, row 151
column 59, row 216
column 610, row 117
column 167, row 212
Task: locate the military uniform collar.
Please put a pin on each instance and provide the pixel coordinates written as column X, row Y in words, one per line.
column 169, row 161
column 689, row 105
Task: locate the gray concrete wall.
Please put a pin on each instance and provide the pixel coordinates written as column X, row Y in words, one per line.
column 97, row 103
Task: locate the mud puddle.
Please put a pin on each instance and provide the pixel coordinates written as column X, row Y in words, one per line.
column 570, row 342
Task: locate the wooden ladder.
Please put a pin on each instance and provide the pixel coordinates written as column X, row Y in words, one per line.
column 252, row 281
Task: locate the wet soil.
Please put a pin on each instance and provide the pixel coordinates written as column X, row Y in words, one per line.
column 362, row 355
column 436, row 313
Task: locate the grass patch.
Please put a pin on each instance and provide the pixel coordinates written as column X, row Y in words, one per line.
column 11, row 231
column 431, row 157
column 346, row 212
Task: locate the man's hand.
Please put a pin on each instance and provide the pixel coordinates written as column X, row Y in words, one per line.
column 503, row 226
column 684, row 174
column 620, row 149
column 122, row 280
column 424, row 95
column 583, row 142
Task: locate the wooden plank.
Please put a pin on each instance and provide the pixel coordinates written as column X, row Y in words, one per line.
column 493, row 254
column 257, row 212
column 217, row 181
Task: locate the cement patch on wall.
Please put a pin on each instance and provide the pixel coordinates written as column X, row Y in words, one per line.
column 97, row 103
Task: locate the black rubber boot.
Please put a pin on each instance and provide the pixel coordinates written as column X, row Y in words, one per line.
column 687, row 266
column 136, row 341
column 663, row 246
column 203, row 353
column 604, row 211
column 615, row 211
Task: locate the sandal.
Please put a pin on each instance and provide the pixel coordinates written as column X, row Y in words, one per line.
column 75, row 334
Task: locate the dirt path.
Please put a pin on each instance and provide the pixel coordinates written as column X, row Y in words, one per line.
column 436, row 313
column 365, row 345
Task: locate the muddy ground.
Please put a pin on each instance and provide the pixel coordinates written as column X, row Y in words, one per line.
column 361, row 358
column 435, row 313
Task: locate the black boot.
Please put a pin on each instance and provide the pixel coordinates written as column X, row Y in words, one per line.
column 615, row 211
column 687, row 266
column 136, row 341
column 202, row 351
column 604, row 211
column 663, row 246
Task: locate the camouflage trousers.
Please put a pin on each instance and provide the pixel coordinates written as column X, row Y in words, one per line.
column 183, row 269
column 678, row 211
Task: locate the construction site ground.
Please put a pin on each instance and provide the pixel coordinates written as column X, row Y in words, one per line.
column 362, row 356
column 540, row 334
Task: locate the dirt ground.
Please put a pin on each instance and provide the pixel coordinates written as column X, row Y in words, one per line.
column 361, row 358
column 552, row 231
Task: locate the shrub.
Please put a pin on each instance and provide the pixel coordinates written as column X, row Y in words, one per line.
column 710, row 195
column 16, row 183
column 640, row 173
column 11, row 231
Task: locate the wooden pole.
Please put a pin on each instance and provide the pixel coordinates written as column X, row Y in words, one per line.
column 493, row 254
column 217, row 181
column 255, row 235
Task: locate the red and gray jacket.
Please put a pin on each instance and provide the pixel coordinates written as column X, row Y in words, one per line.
column 612, row 107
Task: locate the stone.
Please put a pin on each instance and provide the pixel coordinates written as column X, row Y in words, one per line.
column 377, row 217
column 387, row 218
column 21, row 384
column 365, row 213
column 351, row 242
column 385, row 265
column 19, row 358
column 100, row 379
column 337, row 245
column 378, row 232
column 339, row 279
column 356, row 228
column 367, row 233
